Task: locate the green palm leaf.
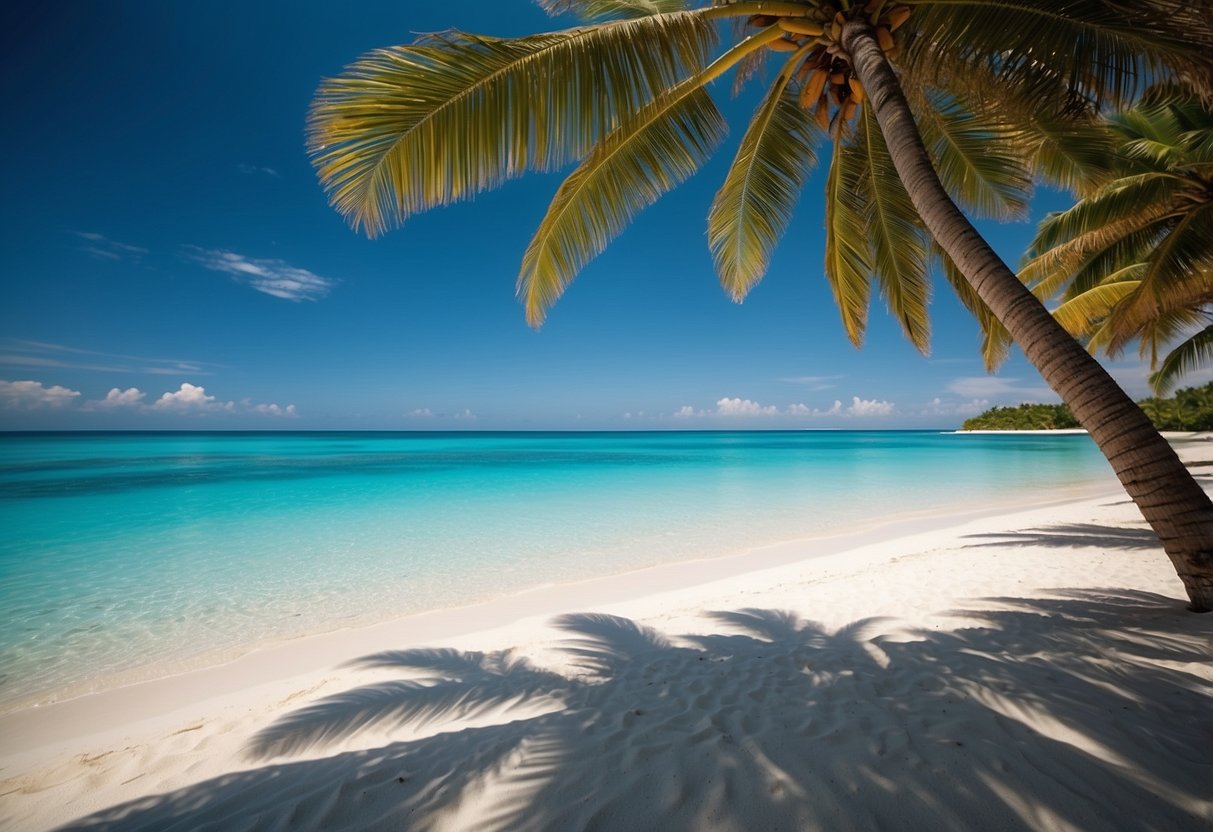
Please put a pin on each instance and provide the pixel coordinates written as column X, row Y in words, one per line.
column 995, row 340
column 1120, row 201
column 1102, row 49
column 1182, row 264
column 753, row 207
column 1066, row 151
column 1171, row 276
column 1050, row 270
column 627, row 171
column 976, row 156
column 1187, row 357
column 1078, row 314
column 1132, row 248
column 650, row 153
column 848, row 264
column 598, row 9
column 411, row 127
column 895, row 235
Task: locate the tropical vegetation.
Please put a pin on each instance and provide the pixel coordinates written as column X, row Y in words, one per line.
column 1190, row 409
column 921, row 106
column 1028, row 416
column 1133, row 259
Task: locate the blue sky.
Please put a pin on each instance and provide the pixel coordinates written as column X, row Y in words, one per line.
column 168, row 261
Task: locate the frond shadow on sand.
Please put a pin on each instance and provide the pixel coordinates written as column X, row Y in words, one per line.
column 1085, row 711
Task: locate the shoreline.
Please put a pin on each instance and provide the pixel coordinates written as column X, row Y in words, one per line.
column 669, row 573
column 62, row 761
column 502, row 609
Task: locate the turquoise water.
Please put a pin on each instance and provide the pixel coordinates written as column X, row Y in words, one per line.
column 127, row 551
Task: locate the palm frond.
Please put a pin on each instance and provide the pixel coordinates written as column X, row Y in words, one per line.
column 1103, row 50
column 412, row 127
column 1047, row 271
column 847, row 265
column 754, row 205
column 995, row 340
column 1187, row 357
column 1186, row 252
column 1183, row 264
column 896, row 237
column 1134, row 247
column 1122, row 201
column 1079, row 314
column 748, row 68
column 975, row 156
column 1166, row 328
column 1069, row 152
column 601, row 9
column 650, row 153
column 627, row 171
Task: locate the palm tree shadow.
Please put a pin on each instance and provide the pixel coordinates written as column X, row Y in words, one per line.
column 448, row 686
column 1081, row 711
column 1072, row 535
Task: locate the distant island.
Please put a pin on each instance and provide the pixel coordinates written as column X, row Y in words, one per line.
column 1191, row 408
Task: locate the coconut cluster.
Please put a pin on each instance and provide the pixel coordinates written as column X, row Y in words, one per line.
column 827, row 85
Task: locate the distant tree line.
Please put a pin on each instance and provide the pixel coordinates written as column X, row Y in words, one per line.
column 1191, row 408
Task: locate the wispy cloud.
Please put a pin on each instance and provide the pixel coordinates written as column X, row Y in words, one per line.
column 939, row 407
column 272, row 277
column 103, row 248
column 813, row 382
column 421, row 413
column 252, row 170
column 33, row 395
column 998, row 389
column 39, row 354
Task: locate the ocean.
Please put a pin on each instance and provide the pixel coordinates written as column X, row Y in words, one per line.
column 143, row 553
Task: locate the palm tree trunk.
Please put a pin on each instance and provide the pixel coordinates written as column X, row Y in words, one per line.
column 1169, row 498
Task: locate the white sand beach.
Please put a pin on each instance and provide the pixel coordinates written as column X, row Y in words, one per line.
column 1027, row 670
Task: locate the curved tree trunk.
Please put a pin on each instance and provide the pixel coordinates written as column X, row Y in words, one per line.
column 1169, row 498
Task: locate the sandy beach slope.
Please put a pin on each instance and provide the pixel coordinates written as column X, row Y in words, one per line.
column 1032, row 670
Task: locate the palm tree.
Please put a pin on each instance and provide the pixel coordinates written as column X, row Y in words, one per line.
column 927, row 102
column 1133, row 259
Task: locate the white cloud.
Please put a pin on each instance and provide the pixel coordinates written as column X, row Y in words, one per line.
column 744, row 407
column 104, row 248
column 999, row 389
column 30, row 395
column 869, row 407
column 687, row 412
column 799, row 410
column 130, row 397
column 272, row 277
column 421, row 413
column 275, row 410
column 190, row 398
column 466, row 416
